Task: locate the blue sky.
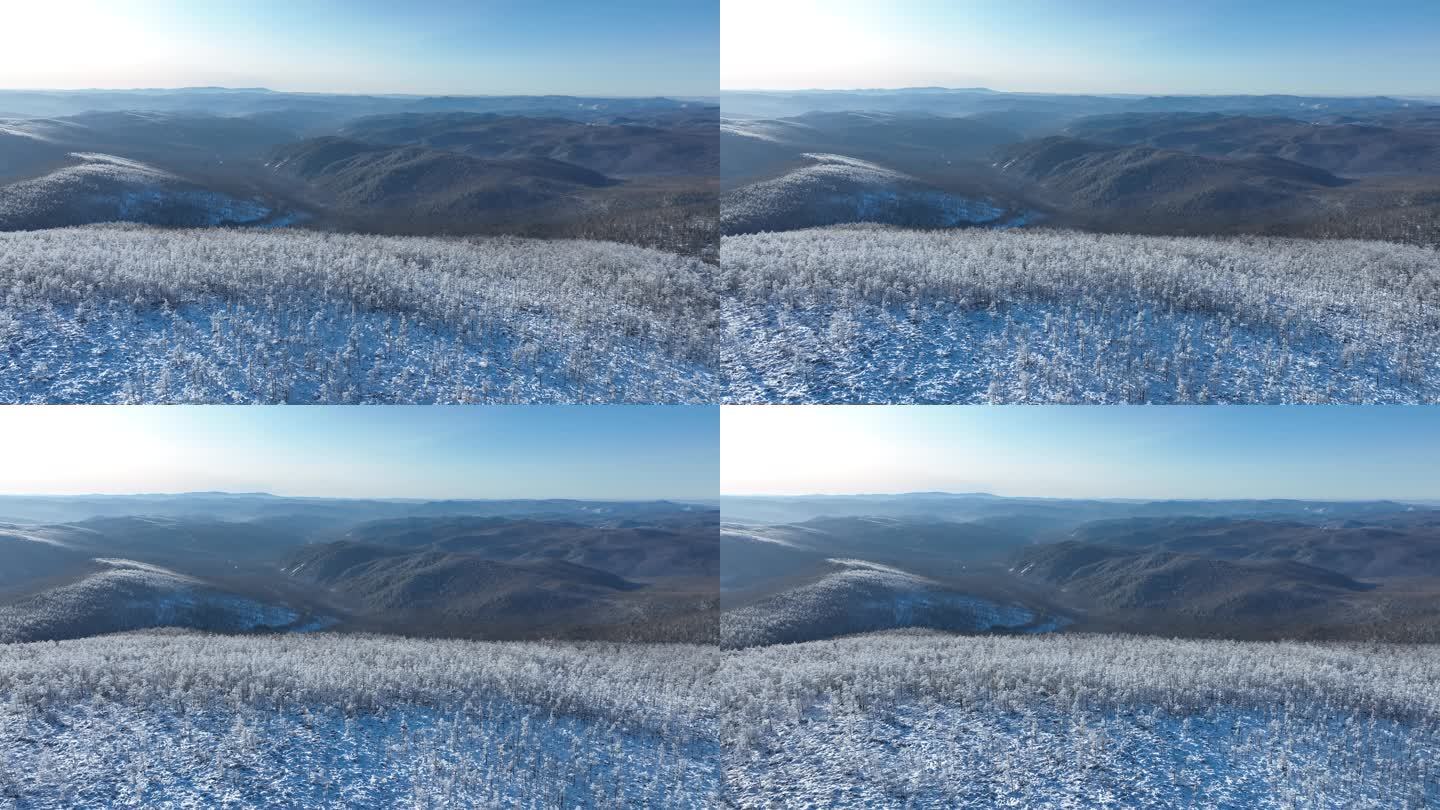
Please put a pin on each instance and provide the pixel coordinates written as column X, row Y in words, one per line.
column 614, row 48
column 1330, row 452
column 1123, row 46
column 619, row 452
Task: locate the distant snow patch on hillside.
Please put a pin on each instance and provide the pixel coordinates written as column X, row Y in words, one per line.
column 758, row 535
column 136, row 168
column 30, row 536
column 132, row 565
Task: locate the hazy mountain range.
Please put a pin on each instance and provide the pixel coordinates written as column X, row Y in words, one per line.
column 635, row 170
column 1286, row 165
column 75, row 566
column 1237, row 569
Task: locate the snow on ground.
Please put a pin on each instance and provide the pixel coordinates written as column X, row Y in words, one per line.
column 190, row 720
column 29, row 536
column 774, row 131
column 867, row 314
column 757, row 535
column 903, row 719
column 132, row 314
column 133, row 565
column 909, row 720
column 136, row 168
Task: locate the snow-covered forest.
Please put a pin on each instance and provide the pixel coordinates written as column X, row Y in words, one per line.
column 125, row 313
column 861, row 596
column 916, row 719
column 836, row 188
column 874, row 314
column 901, row 719
column 106, row 188
column 188, row 719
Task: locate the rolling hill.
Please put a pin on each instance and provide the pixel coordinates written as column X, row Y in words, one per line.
column 28, row 556
column 175, row 140
column 426, row 591
column 639, row 171
column 96, row 187
column 239, row 562
column 1151, row 185
column 430, row 183
column 1182, row 165
column 1263, row 569
column 1202, row 588
column 1341, row 145
column 857, row 596
column 678, row 544
column 623, row 147
column 835, row 189
column 127, row 595
column 1357, row 548
column 932, row 146
column 485, row 577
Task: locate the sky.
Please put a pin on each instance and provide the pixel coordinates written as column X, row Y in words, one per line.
column 1069, row 451
column 1317, row 47
column 432, row 47
column 434, row 452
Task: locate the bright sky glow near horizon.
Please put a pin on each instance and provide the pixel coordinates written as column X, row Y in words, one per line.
column 430, row 47
column 601, row 452
column 1316, row 47
column 1069, row 451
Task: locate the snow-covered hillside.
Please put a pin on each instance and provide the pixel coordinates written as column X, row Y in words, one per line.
column 124, row 313
column 105, row 188
column 860, row 596
column 872, row 314
column 190, row 720
column 836, row 189
column 129, row 595
column 922, row 720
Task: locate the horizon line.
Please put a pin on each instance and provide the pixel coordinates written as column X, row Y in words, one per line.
column 346, row 497
column 1099, row 93
column 1147, row 499
column 375, row 94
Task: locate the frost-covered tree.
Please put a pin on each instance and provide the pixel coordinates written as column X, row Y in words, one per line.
column 872, row 314
column 134, row 314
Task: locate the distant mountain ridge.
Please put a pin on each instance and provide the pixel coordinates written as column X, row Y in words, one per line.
column 263, row 563
column 1304, row 166
column 244, row 101
column 635, row 170
column 1266, row 569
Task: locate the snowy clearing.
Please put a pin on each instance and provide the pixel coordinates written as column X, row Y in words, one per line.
column 331, row 721
column 866, row 314
column 123, row 313
column 922, row 720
